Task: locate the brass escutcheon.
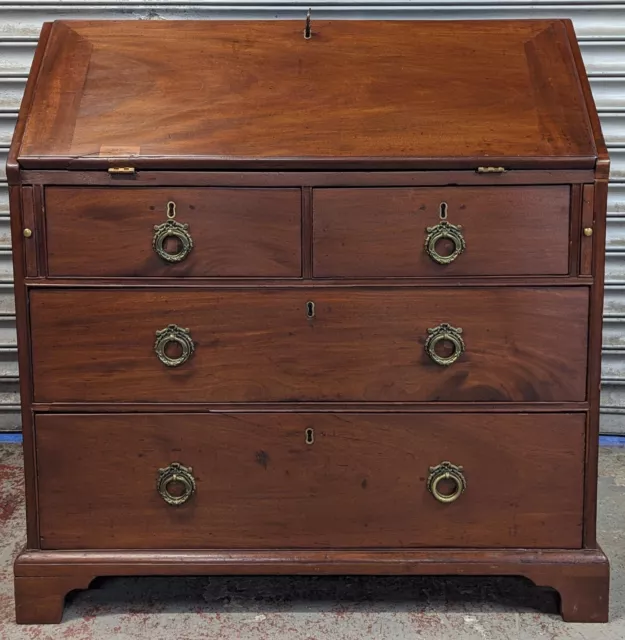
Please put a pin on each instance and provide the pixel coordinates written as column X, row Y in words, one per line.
column 172, row 229
column 182, row 337
column 175, row 472
column 444, row 230
column 439, row 334
column 446, row 471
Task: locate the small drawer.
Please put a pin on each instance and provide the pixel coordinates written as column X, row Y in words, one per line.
column 511, row 344
column 251, row 480
column 441, row 231
column 173, row 232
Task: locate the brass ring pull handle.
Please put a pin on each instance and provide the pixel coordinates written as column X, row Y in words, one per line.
column 173, row 334
column 172, row 229
column 175, row 473
column 446, row 471
column 444, row 230
column 440, row 334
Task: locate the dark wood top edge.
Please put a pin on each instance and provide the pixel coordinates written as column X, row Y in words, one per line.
column 305, row 163
column 291, row 178
column 309, row 407
column 191, row 284
column 237, row 21
column 603, row 159
column 12, row 166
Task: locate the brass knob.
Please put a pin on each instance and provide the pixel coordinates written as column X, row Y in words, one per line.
column 444, row 230
column 444, row 332
column 588, row 232
column 174, row 334
column 175, row 473
column 446, row 471
column 27, row 233
column 172, row 229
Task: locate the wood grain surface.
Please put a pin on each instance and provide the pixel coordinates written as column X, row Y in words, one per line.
column 235, row 232
column 522, row 345
column 256, row 93
column 362, row 483
column 382, row 232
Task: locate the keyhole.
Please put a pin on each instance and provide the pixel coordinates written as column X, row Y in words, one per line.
column 310, row 310
column 171, row 210
column 443, row 211
column 310, row 436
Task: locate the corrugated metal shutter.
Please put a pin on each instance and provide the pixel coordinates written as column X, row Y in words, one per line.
column 599, row 25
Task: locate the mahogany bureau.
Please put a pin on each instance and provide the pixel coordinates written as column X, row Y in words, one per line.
column 322, row 302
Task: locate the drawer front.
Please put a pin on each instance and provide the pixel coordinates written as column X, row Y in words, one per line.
column 309, row 481
column 520, row 344
column 503, row 231
column 233, row 232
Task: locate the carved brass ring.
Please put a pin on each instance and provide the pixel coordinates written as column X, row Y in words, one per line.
column 175, row 472
column 439, row 334
column 173, row 333
column 444, row 230
column 446, row 471
column 172, row 229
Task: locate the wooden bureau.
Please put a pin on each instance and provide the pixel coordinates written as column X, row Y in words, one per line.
column 309, row 305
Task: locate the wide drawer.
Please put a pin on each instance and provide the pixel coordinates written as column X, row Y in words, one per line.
column 306, row 480
column 398, row 232
column 128, row 232
column 322, row 344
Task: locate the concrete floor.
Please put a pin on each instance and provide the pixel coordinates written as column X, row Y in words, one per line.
column 314, row 608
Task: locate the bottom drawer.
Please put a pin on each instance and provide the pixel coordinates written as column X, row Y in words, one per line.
column 309, row 480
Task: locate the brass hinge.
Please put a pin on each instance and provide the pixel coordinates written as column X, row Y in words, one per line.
column 118, row 170
column 491, row 169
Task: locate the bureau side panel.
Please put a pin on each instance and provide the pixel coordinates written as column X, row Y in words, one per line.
column 18, row 198
column 594, row 361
